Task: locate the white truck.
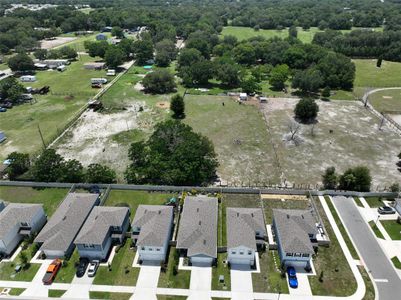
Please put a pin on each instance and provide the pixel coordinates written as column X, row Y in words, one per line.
column 98, row 80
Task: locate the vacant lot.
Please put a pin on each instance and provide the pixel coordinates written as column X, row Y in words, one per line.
column 50, row 198
column 69, row 91
column 58, row 41
column 345, row 135
column 368, row 75
column 239, row 136
column 385, row 101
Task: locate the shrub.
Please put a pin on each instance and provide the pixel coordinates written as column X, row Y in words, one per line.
column 306, row 109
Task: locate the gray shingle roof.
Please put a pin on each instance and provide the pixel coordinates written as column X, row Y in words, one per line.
column 242, row 224
column 2, row 205
column 99, row 222
column 64, row 225
column 15, row 213
column 293, row 227
column 154, row 221
column 198, row 226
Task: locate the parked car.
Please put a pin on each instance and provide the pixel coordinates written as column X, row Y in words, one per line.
column 81, row 269
column 94, row 264
column 7, row 104
column 2, row 109
column 292, row 277
column 386, row 210
column 51, row 272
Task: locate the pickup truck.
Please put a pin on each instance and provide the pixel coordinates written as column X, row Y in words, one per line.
column 51, row 272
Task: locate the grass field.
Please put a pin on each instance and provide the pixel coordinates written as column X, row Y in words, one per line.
column 385, row 101
column 50, row 197
column 14, row 291
column 122, row 272
column 375, row 201
column 368, row 75
column 168, row 297
column 26, row 274
column 135, row 198
column 239, row 136
column 69, row 91
column 78, row 44
column 338, row 279
column 393, row 228
column 109, row 295
column 221, row 269
column 168, row 279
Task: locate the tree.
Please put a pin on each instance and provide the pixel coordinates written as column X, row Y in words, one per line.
column 48, row 167
column 330, row 178
column 73, row 172
column 198, row 73
column 97, row 48
column 356, row 179
column 173, row 155
column 250, row 85
column 395, row 187
column 114, row 57
column 292, row 32
column 177, row 105
column 308, row 81
column 326, row 92
column 40, row 54
column 278, row 77
column 165, row 52
column 143, row 50
column 117, row 32
column 11, row 89
column 227, row 71
column 68, row 53
column 19, row 164
column 245, row 54
column 21, row 63
column 159, row 82
column 188, row 57
column 306, row 109
column 98, row 173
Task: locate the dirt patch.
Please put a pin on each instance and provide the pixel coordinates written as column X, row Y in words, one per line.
column 49, row 44
column 163, row 104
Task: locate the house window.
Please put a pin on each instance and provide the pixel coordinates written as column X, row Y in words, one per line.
column 257, row 233
column 233, row 252
column 297, row 254
column 249, row 252
column 305, row 255
column 24, row 224
column 157, row 249
column 241, row 252
column 289, row 254
column 142, row 248
column 310, row 235
column 150, row 249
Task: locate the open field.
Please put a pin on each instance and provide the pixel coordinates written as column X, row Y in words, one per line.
column 368, row 75
column 58, row 41
column 69, row 91
column 386, row 101
column 50, row 197
column 239, row 136
column 78, row 42
column 135, row 198
column 355, row 139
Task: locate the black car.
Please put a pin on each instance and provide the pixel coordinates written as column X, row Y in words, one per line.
column 386, row 210
column 81, row 269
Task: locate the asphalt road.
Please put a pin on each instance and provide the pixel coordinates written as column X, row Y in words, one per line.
column 387, row 281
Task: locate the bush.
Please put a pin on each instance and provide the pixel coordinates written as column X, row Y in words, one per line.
column 159, row 82
column 356, row 179
column 306, row 109
column 177, row 105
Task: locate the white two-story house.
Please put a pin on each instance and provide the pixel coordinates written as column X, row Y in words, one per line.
column 151, row 231
column 246, row 231
column 295, row 233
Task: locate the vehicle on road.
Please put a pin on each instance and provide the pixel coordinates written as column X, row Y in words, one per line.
column 386, row 210
column 81, row 269
column 51, row 271
column 93, row 268
column 292, row 277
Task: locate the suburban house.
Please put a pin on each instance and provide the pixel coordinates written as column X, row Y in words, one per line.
column 57, row 238
column 246, row 231
column 101, row 37
column 104, row 227
column 197, row 234
column 397, row 205
column 18, row 221
column 51, row 63
column 151, row 231
column 295, row 232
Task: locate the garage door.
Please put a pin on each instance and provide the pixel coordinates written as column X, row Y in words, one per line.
column 296, row 264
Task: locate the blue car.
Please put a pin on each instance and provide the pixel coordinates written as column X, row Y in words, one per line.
column 292, row 277
column 2, row 109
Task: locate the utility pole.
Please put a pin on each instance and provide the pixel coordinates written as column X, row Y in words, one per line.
column 41, row 136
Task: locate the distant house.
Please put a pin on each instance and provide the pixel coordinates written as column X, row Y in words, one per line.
column 51, row 63
column 246, row 231
column 57, row 237
column 16, row 222
column 101, row 37
column 295, row 232
column 151, row 230
column 28, row 78
column 94, row 66
column 2, row 136
column 397, row 205
column 197, row 234
column 107, row 29
column 104, row 227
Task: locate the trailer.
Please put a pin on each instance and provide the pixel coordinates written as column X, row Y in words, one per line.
column 28, row 78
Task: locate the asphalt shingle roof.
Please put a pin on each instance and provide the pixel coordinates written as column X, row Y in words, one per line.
column 15, row 213
column 64, row 225
column 2, row 205
column 293, row 227
column 99, row 222
column 154, row 221
column 198, row 226
column 242, row 224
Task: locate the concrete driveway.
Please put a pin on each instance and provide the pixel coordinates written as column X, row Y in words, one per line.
column 241, row 282
column 36, row 287
column 200, row 284
column 303, row 286
column 382, row 270
column 147, row 283
column 79, row 287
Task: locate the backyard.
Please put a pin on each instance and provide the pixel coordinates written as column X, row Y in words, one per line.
column 270, row 204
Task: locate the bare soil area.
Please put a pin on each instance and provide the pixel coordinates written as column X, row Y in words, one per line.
column 49, row 44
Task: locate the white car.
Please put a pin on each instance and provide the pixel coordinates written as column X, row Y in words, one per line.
column 93, row 265
column 111, row 73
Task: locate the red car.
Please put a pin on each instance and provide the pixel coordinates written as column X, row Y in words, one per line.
column 52, row 271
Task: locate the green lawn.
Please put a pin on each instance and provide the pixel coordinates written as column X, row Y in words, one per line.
column 222, row 225
column 167, row 279
column 14, row 291
column 341, row 227
column 358, row 201
column 69, row 91
column 168, row 297
column 49, row 197
column 221, row 269
column 368, row 75
column 376, row 230
column 370, row 290
column 135, row 198
column 269, row 280
column 78, row 43
column 239, row 135
column 56, row 293
column 375, row 201
column 396, row 262
column 338, row 279
column 270, row 204
column 26, row 274
column 67, row 271
column 109, row 295
column 393, row 228
column 122, row 272
column 386, row 101
column 3, row 67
